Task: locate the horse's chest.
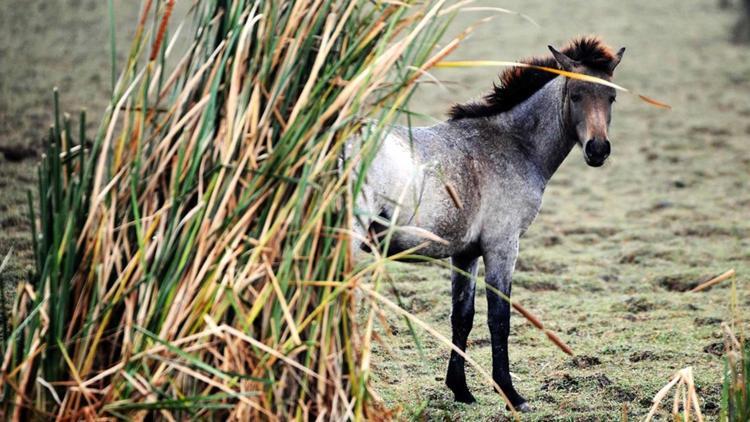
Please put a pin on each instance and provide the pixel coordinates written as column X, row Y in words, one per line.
column 528, row 214
column 514, row 209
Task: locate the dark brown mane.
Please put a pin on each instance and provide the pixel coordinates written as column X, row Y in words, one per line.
column 519, row 83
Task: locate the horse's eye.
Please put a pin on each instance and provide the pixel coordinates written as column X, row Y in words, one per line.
column 612, row 99
column 575, row 98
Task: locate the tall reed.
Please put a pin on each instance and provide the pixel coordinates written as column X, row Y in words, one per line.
column 192, row 258
column 735, row 392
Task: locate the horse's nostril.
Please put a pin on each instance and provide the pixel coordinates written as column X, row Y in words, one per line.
column 596, row 151
column 590, row 147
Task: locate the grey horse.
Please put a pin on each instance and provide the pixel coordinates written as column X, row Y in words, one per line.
column 471, row 186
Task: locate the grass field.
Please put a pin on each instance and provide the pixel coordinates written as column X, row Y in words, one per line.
column 608, row 260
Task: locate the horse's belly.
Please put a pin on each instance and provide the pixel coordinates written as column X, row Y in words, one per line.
column 437, row 236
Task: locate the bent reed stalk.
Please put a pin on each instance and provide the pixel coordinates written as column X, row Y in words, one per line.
column 193, row 260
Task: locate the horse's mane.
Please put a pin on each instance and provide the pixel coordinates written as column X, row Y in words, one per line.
column 519, row 83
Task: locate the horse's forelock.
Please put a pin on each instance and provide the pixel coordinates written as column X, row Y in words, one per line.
column 591, row 52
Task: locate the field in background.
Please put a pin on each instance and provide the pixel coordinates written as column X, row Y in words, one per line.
column 605, row 262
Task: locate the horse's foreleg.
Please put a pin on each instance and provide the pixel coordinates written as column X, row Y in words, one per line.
column 462, row 319
column 499, row 263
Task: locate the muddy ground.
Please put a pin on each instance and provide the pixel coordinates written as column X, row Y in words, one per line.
column 608, row 260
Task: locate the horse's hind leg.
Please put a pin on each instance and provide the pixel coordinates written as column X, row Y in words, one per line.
column 463, row 287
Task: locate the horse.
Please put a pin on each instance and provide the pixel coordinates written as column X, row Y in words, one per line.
column 469, row 187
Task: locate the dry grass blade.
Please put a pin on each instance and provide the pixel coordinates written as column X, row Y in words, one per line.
column 525, row 17
column 454, row 195
column 535, row 321
column 572, row 75
column 716, row 280
column 6, row 260
column 554, row 338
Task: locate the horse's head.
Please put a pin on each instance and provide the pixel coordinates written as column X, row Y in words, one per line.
column 588, row 106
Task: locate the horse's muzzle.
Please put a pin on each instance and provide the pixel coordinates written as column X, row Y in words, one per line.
column 596, row 152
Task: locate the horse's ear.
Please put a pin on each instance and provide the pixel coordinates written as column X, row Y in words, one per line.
column 564, row 61
column 617, row 59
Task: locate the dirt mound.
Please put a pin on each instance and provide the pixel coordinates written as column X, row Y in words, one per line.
column 682, row 282
column 584, row 361
column 716, row 348
column 16, row 153
column 570, row 383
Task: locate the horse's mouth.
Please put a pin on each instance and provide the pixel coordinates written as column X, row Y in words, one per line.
column 593, row 162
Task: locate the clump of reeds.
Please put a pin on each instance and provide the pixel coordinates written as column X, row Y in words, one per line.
column 192, row 259
column 685, row 397
column 735, row 393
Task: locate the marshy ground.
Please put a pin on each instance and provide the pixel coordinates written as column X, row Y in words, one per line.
column 607, row 262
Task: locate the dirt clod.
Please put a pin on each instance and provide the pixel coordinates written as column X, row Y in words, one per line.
column 569, row 383
column 704, row 231
column 679, row 282
column 564, row 383
column 539, row 286
column 638, row 304
column 662, row 204
column 642, row 355
column 538, row 265
column 622, row 394
column 600, row 380
column 418, row 304
column 608, row 278
column 711, row 407
column 716, row 348
column 16, row 153
column 707, row 321
column 584, row 361
column 552, row 240
column 480, row 342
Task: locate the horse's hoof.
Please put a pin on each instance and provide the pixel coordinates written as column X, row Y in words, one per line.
column 521, row 408
column 465, row 397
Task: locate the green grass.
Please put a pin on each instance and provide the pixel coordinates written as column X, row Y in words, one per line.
column 627, row 347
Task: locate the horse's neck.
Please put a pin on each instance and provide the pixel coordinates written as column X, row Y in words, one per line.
column 538, row 123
